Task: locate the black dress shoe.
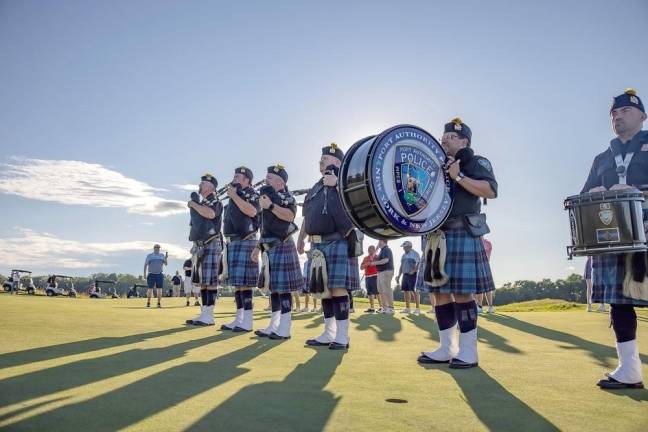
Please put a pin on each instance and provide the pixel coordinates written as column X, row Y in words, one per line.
column 189, row 322
column 460, row 364
column 316, row 343
column 238, row 329
column 224, row 327
column 338, row 346
column 427, row 360
column 275, row 336
column 202, row 324
column 612, row 384
column 261, row 334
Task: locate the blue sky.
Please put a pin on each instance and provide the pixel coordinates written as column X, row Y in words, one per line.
column 143, row 96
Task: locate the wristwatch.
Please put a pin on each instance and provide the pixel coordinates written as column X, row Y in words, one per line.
column 459, row 177
column 271, row 206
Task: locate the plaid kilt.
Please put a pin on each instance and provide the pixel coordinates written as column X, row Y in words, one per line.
column 466, row 266
column 211, row 263
column 241, row 270
column 342, row 272
column 608, row 272
column 285, row 271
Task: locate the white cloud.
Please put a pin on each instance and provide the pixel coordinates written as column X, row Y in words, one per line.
column 43, row 250
column 82, row 183
column 187, row 187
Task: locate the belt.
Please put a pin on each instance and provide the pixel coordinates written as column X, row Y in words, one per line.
column 325, row 237
column 266, row 246
column 231, row 239
column 455, row 222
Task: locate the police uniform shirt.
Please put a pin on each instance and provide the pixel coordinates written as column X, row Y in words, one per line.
column 323, row 211
column 477, row 168
column 213, row 203
column 603, row 171
column 187, row 265
column 272, row 226
column 238, row 223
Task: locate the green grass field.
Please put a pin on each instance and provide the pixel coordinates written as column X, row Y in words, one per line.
column 80, row 364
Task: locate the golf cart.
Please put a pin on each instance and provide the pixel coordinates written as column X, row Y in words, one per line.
column 95, row 290
column 13, row 284
column 133, row 293
column 65, row 288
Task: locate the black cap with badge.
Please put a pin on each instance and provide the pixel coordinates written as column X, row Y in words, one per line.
column 628, row 98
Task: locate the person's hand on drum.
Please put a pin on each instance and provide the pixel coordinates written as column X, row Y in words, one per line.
column 620, row 187
column 330, row 180
column 598, row 189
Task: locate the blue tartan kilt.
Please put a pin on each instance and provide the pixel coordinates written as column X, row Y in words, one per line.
column 210, row 264
column 342, row 272
column 608, row 272
column 466, row 266
column 285, row 271
column 241, row 270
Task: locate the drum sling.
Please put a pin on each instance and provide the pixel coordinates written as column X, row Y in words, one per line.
column 435, row 257
column 635, row 283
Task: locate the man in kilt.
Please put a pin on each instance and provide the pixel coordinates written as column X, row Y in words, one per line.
column 280, row 271
column 240, row 227
column 327, row 226
column 206, row 214
column 466, row 271
column 623, row 165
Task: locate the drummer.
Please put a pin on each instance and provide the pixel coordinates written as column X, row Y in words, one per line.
column 466, row 270
column 622, row 165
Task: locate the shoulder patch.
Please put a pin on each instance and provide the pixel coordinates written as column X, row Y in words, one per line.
column 485, row 163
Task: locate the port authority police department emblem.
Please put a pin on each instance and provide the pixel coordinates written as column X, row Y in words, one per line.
column 415, row 175
column 412, row 190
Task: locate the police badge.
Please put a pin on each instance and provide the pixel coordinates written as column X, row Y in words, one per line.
column 606, row 215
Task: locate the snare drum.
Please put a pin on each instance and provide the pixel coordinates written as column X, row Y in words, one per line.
column 606, row 222
column 393, row 184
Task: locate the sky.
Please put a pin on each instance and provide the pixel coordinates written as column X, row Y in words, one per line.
column 108, row 110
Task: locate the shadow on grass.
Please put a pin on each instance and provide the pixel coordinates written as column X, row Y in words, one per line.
column 493, row 404
column 385, row 326
column 298, row 403
column 55, row 379
column 150, row 395
column 605, row 355
column 494, row 340
column 79, row 347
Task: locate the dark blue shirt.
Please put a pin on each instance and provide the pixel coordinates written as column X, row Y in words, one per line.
column 271, row 225
column 323, row 211
column 464, row 202
column 202, row 228
column 385, row 253
column 603, row 171
column 238, row 223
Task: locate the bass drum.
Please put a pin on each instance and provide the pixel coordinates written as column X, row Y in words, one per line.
column 393, row 184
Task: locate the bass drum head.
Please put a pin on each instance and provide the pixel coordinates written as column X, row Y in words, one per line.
column 394, row 185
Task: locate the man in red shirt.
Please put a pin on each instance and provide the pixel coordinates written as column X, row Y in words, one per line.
column 371, row 278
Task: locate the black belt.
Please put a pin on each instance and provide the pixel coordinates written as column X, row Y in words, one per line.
column 239, row 238
column 455, row 222
column 320, row 238
column 266, row 246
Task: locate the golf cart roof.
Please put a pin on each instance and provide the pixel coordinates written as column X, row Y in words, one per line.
column 20, row 271
column 104, row 281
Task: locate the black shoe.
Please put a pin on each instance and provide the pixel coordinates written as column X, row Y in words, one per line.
column 370, row 310
column 238, row 329
column 189, row 322
column 201, row 324
column 316, row 343
column 460, row 364
column 427, row 360
column 338, row 346
column 159, row 306
column 148, row 305
column 612, row 384
column 197, row 304
column 187, row 303
column 275, row 336
column 224, row 327
column 261, row 334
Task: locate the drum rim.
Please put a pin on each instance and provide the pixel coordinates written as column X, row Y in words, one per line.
column 372, row 195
